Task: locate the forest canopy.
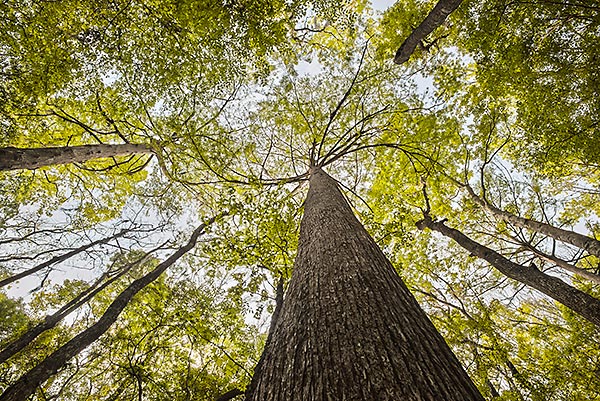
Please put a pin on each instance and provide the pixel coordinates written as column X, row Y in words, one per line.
column 158, row 159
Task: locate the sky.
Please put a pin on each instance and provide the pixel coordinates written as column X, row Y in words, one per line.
column 382, row 4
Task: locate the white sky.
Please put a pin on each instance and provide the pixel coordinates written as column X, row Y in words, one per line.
column 382, row 4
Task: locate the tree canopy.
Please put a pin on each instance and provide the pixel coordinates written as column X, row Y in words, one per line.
column 155, row 157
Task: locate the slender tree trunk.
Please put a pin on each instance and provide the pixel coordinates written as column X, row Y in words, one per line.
column 60, row 258
column 349, row 329
column 580, row 302
column 52, row 320
column 31, row 158
column 26, row 385
column 434, row 19
column 591, row 245
column 563, row 264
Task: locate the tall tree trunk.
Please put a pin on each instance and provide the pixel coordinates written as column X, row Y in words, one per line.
column 31, row 158
column 580, row 302
column 434, row 19
column 26, row 385
column 591, row 245
column 349, row 329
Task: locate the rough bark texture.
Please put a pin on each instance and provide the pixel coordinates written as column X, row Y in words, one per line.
column 349, row 329
column 26, row 385
column 580, row 302
column 434, row 19
column 31, row 158
column 591, row 245
column 60, row 258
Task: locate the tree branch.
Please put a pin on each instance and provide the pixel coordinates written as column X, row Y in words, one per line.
column 434, row 19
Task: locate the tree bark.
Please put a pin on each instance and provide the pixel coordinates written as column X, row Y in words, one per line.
column 591, row 245
column 12, row 158
column 60, row 258
column 349, row 329
column 26, row 385
column 434, row 19
column 578, row 301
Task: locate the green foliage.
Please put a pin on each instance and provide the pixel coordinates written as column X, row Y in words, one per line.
column 178, row 340
column 13, row 317
column 398, row 22
column 541, row 61
column 217, row 92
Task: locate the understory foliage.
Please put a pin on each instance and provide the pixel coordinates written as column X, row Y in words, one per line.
column 237, row 99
